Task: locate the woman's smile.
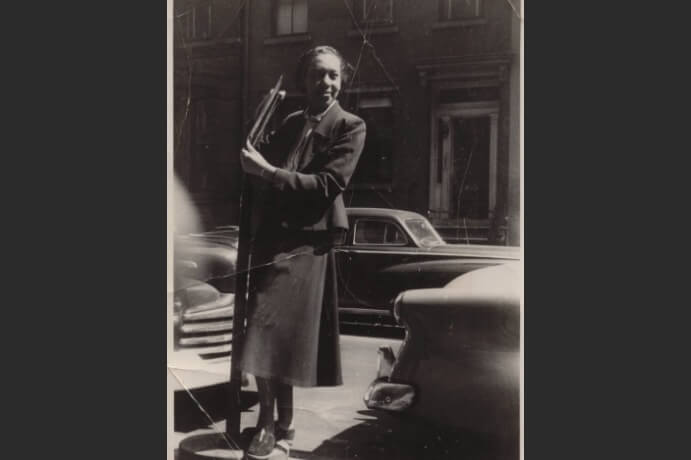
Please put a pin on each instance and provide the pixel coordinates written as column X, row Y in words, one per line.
column 323, row 82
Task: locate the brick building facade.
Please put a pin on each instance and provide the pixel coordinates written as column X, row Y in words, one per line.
column 437, row 82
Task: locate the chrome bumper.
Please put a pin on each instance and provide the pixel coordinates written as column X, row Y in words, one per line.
column 383, row 394
column 207, row 329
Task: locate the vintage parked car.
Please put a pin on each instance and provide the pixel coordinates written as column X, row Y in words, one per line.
column 459, row 365
column 389, row 250
column 204, row 294
column 385, row 252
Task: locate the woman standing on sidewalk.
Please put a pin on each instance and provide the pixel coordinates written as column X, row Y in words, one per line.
column 292, row 333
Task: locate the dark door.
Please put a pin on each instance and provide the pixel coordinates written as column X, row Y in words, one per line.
column 375, row 245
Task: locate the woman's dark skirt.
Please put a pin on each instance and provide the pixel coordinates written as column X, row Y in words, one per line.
column 292, row 317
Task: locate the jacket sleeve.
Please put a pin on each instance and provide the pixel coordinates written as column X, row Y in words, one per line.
column 334, row 174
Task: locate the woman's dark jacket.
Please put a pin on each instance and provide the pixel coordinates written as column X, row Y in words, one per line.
column 311, row 197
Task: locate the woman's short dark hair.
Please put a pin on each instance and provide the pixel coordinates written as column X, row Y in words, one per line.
column 307, row 58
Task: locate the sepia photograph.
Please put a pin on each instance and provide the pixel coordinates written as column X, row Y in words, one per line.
column 345, row 257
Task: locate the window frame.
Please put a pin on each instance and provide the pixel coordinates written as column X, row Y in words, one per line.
column 489, row 109
column 189, row 23
column 374, row 93
column 385, row 221
column 360, row 13
column 216, row 33
column 274, row 19
column 446, row 11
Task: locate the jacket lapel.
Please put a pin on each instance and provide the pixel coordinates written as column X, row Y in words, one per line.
column 321, row 136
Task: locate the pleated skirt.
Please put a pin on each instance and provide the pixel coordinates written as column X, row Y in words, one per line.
column 292, row 318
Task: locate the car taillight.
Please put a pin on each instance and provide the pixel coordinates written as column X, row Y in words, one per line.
column 397, row 306
column 178, row 305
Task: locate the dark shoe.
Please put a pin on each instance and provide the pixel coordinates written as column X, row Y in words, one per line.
column 247, row 435
column 283, row 434
column 262, row 445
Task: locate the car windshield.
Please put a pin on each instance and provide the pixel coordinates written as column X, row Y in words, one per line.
column 424, row 232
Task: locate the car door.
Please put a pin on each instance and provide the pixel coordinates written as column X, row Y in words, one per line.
column 374, row 245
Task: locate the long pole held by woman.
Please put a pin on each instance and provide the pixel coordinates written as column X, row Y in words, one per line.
column 292, row 318
column 256, row 134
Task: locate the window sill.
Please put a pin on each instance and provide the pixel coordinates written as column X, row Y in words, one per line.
column 458, row 23
column 374, row 30
column 286, row 39
column 209, row 43
column 451, row 224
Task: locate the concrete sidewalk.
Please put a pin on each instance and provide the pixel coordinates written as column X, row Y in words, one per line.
column 333, row 422
column 321, row 413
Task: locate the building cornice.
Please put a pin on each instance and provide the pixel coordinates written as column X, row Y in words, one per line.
column 464, row 68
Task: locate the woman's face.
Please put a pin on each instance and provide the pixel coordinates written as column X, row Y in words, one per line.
column 323, row 81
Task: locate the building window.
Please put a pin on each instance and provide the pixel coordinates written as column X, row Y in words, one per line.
column 375, row 164
column 374, row 11
column 196, row 22
column 464, row 169
column 451, row 10
column 291, row 17
column 205, row 22
column 469, row 162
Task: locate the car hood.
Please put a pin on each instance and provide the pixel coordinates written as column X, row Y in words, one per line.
column 211, row 259
column 198, row 292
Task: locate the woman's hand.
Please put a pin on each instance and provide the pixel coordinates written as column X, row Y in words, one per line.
column 254, row 163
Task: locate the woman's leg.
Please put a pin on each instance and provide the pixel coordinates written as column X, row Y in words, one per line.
column 267, row 397
column 284, row 399
column 264, row 440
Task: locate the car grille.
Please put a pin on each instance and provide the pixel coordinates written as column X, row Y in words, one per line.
column 207, row 329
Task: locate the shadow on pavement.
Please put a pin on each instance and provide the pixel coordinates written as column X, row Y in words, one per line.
column 394, row 437
column 215, row 401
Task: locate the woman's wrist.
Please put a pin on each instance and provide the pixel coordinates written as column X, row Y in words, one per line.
column 268, row 173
